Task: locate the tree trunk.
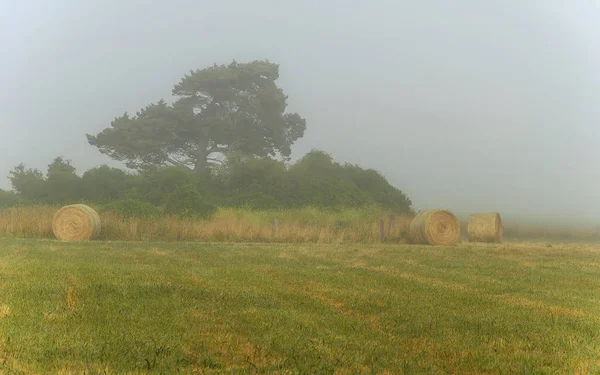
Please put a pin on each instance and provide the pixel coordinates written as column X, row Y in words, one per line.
column 201, row 167
column 200, row 163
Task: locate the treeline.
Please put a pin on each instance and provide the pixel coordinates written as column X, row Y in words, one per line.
column 257, row 183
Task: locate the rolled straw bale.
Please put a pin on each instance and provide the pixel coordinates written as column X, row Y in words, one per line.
column 485, row 227
column 76, row 222
column 435, row 227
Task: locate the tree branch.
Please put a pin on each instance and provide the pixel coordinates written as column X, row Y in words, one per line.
column 176, row 162
column 214, row 149
column 169, row 160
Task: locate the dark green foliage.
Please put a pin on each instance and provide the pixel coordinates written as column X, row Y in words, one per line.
column 252, row 182
column 156, row 184
column 315, row 180
column 62, row 184
column 378, row 188
column 29, row 184
column 242, row 181
column 186, row 201
column 218, row 110
column 104, row 184
column 9, row 199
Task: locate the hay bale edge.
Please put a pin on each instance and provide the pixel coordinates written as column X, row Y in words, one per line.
column 485, row 227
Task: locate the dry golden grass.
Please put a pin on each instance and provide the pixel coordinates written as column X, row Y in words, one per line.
column 295, row 226
column 4, row 311
column 35, row 222
column 71, row 297
column 227, row 225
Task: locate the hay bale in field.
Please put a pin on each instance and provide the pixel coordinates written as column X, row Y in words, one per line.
column 435, row 227
column 485, row 227
column 76, row 222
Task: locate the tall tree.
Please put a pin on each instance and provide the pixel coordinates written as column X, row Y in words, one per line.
column 216, row 111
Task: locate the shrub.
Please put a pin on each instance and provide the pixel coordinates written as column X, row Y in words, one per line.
column 62, row 184
column 104, row 184
column 29, row 183
column 9, row 199
column 186, row 201
column 316, row 180
column 376, row 186
column 155, row 185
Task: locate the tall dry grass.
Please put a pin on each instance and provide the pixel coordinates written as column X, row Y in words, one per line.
column 227, row 225
column 295, row 226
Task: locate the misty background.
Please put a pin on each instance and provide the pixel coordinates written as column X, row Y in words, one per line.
column 473, row 106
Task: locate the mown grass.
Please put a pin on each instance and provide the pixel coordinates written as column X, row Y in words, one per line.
column 349, row 225
column 110, row 308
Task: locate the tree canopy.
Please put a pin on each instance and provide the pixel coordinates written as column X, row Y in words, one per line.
column 216, row 111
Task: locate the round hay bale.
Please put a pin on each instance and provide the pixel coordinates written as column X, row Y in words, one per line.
column 76, row 222
column 435, row 227
column 485, row 227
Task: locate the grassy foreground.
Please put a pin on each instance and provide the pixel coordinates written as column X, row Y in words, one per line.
column 331, row 309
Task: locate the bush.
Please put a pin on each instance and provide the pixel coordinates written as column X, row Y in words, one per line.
column 132, row 208
column 9, row 199
column 29, row 184
column 104, row 184
column 379, row 189
column 155, row 185
column 62, row 184
column 316, row 180
column 186, row 201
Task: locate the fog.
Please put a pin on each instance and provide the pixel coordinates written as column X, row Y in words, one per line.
column 478, row 106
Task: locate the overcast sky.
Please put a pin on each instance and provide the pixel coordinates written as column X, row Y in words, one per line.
column 469, row 105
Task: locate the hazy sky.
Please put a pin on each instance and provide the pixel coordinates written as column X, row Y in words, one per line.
column 478, row 105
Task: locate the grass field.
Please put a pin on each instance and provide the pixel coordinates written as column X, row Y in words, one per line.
column 107, row 308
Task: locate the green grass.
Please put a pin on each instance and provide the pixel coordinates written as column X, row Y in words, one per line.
column 106, row 308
